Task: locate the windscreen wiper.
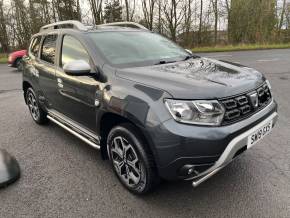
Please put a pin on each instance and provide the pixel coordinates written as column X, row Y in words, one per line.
column 164, row 62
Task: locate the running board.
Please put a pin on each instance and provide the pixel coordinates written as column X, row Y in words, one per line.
column 75, row 133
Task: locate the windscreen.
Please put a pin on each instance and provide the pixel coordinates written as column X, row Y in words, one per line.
column 132, row 47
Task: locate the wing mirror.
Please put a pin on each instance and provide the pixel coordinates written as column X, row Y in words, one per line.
column 77, row 68
column 189, row 51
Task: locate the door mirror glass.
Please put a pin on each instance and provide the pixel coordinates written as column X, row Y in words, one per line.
column 77, row 68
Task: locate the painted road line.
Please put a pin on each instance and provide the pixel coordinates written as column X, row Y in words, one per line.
column 218, row 56
column 268, row 60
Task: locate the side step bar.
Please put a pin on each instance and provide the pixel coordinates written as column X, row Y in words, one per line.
column 75, row 133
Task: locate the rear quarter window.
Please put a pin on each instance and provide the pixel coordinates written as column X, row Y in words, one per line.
column 34, row 46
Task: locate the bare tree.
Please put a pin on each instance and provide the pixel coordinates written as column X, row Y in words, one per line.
column 23, row 27
column 96, row 8
column 216, row 16
column 283, row 11
column 187, row 21
column 159, row 25
column 227, row 6
column 3, row 30
column 130, row 9
column 148, row 12
column 200, row 22
column 173, row 16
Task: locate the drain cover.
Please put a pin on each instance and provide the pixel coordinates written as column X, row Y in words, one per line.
column 9, row 169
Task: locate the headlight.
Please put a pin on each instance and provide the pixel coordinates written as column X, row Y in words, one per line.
column 198, row 112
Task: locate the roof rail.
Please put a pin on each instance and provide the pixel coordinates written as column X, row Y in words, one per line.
column 65, row 24
column 125, row 24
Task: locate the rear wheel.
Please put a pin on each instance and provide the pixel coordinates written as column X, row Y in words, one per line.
column 37, row 113
column 131, row 159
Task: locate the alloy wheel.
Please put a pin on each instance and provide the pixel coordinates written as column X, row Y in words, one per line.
column 126, row 162
column 33, row 106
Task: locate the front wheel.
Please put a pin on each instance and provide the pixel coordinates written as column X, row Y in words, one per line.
column 37, row 113
column 131, row 159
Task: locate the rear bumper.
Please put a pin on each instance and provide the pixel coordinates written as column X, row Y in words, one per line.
column 179, row 146
column 231, row 150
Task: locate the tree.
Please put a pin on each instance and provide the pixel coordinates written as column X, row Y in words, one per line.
column 283, row 11
column 173, row 16
column 130, row 10
column 252, row 21
column 200, row 21
column 216, row 12
column 39, row 14
column 187, row 22
column 3, row 30
column 21, row 21
column 113, row 12
column 148, row 12
column 227, row 6
column 96, row 8
column 68, row 10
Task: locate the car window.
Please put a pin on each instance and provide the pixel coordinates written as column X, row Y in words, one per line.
column 72, row 50
column 48, row 49
column 34, row 46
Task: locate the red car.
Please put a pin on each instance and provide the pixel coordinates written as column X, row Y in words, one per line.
column 15, row 59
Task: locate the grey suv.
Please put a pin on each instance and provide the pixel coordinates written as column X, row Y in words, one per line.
column 154, row 109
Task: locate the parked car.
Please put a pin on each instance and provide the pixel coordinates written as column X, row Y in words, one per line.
column 154, row 109
column 15, row 59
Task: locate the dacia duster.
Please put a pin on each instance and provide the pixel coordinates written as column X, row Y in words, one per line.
column 154, row 109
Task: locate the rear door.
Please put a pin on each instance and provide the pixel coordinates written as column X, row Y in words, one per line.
column 46, row 68
column 76, row 94
column 30, row 61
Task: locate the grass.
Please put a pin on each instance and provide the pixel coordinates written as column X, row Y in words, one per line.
column 3, row 58
column 241, row 47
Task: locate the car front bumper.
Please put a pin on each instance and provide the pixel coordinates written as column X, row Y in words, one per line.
column 231, row 150
column 206, row 149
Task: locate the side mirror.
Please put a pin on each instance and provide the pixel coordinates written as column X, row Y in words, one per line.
column 189, row 51
column 77, row 68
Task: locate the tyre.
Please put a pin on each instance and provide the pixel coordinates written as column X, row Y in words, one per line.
column 36, row 112
column 131, row 159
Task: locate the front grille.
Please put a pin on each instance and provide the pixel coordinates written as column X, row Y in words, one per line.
column 242, row 106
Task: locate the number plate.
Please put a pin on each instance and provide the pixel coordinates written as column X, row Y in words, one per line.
column 259, row 134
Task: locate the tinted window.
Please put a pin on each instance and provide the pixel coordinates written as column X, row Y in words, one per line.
column 48, row 48
column 34, row 47
column 133, row 47
column 72, row 50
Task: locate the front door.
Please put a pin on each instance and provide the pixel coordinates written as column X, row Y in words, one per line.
column 76, row 94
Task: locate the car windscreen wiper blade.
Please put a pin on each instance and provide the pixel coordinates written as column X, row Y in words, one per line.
column 164, row 62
